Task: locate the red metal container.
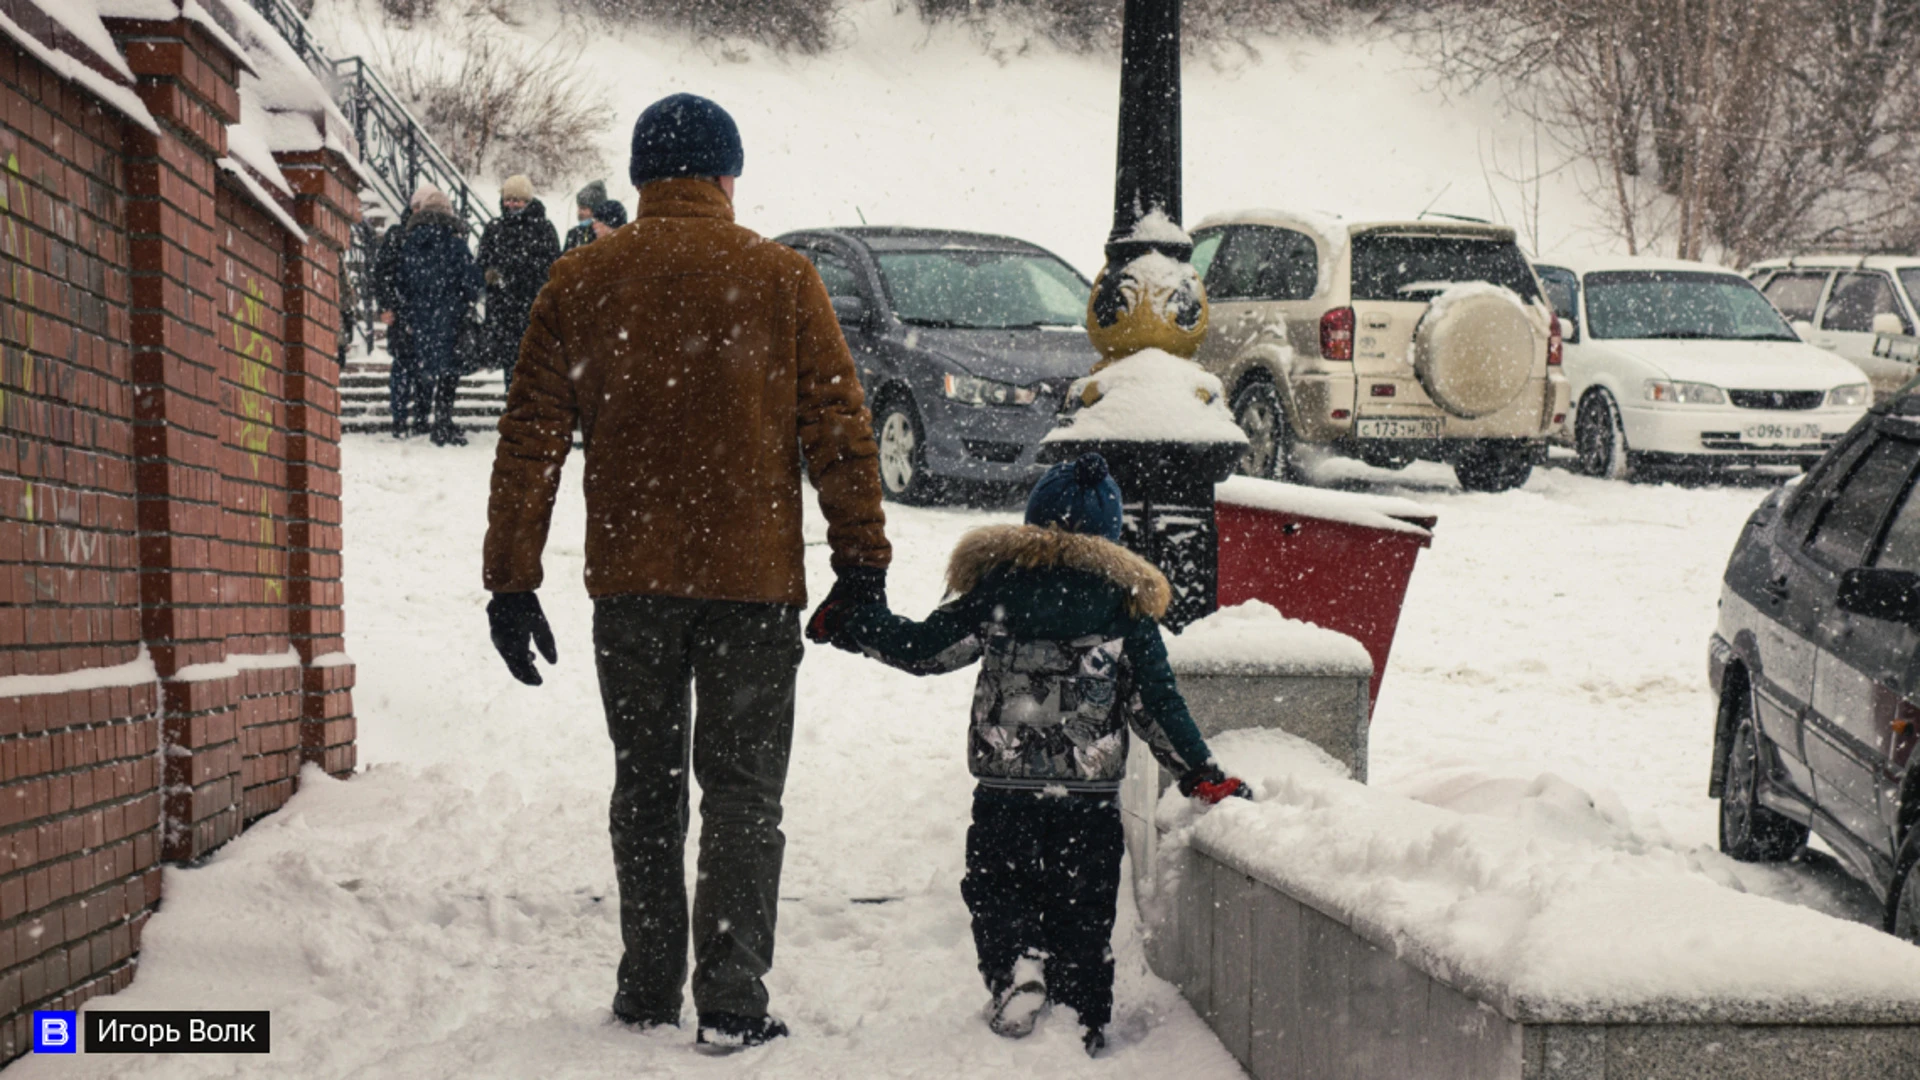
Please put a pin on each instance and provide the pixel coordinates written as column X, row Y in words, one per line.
column 1334, row 559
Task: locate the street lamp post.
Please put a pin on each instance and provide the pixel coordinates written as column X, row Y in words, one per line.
column 1160, row 421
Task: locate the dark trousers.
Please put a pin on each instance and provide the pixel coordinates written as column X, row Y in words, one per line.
column 740, row 660
column 1043, row 875
column 408, row 392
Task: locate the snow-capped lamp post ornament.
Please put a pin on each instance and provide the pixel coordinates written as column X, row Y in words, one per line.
column 1158, row 418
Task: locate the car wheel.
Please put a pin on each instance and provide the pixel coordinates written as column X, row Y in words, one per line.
column 1600, row 438
column 1903, row 900
column 1494, row 466
column 1257, row 409
column 903, row 453
column 1749, row 831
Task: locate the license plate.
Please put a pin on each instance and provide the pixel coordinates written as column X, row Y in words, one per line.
column 1781, row 434
column 1387, row 427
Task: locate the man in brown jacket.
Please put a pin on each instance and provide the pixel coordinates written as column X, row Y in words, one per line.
column 695, row 357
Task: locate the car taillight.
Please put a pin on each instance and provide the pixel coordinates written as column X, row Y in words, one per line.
column 1556, row 348
column 1336, row 334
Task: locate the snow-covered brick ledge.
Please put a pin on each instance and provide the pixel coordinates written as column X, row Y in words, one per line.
column 1332, row 928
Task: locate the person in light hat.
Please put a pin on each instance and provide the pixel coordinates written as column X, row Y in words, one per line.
column 516, row 253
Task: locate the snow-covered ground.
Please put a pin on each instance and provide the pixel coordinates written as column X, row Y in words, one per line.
column 447, row 912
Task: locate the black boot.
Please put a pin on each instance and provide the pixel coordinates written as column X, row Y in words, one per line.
column 1095, row 1040
column 722, row 1032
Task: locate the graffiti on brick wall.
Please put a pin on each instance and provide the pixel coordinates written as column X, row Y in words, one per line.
column 19, row 276
column 255, row 349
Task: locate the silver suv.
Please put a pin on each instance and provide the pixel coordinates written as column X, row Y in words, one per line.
column 1388, row 341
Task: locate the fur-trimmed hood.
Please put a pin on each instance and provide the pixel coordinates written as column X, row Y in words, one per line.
column 1031, row 547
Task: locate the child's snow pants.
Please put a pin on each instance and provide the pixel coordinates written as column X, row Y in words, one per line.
column 1043, row 874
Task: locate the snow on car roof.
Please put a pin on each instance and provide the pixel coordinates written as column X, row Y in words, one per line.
column 1587, row 264
column 1839, row 261
column 899, row 238
column 1334, row 228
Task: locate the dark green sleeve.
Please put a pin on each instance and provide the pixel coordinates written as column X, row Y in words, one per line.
column 1161, row 716
column 948, row 640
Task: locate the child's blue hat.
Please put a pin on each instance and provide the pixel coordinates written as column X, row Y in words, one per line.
column 1078, row 496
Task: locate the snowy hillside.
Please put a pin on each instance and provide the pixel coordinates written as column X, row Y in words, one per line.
column 907, row 124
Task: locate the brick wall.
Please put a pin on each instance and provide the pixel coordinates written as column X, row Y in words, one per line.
column 170, row 623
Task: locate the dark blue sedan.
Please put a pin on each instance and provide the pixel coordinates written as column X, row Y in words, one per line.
column 965, row 344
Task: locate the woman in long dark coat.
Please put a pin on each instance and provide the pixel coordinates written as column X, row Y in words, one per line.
column 438, row 283
column 516, row 252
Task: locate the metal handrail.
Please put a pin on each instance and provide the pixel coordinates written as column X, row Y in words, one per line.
column 397, row 150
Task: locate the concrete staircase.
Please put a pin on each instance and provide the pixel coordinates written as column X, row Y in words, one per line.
column 363, row 397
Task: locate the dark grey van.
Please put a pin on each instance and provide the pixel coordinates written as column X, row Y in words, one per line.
column 1816, row 663
column 965, row 343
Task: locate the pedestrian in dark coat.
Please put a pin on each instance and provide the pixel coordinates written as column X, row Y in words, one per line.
column 438, row 285
column 588, row 197
column 1064, row 623
column 700, row 363
column 409, row 395
column 516, row 253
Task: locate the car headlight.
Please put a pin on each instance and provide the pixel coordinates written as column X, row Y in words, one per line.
column 971, row 391
column 1851, row 395
column 1685, row 393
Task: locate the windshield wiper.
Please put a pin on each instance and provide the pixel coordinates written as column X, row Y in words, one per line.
column 1763, row 337
column 1030, row 326
column 1679, row 335
column 938, row 324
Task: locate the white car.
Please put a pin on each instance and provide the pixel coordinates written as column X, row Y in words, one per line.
column 1681, row 363
column 1845, row 303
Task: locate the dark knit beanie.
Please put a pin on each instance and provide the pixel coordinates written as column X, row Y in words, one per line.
column 592, row 195
column 684, row 135
column 1078, row 496
column 611, row 213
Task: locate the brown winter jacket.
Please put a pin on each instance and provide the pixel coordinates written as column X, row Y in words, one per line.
column 699, row 361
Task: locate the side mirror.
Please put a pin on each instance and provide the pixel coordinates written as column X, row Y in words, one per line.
column 850, row 310
column 1893, row 595
column 1804, row 328
column 1568, row 333
column 1888, row 323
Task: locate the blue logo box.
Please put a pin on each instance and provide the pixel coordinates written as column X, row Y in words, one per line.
column 55, row 1032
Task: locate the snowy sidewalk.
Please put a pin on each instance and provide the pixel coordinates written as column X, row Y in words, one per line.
column 449, row 912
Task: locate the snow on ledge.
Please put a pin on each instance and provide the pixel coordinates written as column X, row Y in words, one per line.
column 1255, row 639
column 262, row 197
column 1553, row 906
column 117, row 97
column 332, row 659
column 1387, row 512
column 234, row 664
column 136, row 672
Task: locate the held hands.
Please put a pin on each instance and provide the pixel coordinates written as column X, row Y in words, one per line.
column 517, row 619
column 1210, row 785
column 855, row 587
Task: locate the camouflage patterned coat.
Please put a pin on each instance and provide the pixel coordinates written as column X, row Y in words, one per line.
column 1064, row 627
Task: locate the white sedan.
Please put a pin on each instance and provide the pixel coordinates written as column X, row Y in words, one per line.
column 1681, row 363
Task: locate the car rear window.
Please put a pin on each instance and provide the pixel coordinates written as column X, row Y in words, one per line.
column 1853, row 517
column 1402, row 266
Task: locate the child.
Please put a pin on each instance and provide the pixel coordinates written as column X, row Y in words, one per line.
column 1063, row 620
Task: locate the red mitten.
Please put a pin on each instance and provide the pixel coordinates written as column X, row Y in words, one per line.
column 1210, row 784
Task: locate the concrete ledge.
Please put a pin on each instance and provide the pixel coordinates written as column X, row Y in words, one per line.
column 1294, row 992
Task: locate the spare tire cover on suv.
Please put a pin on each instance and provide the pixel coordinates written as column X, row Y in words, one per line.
column 1473, row 350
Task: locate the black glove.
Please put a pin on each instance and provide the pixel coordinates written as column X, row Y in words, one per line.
column 1209, row 783
column 516, row 617
column 856, row 586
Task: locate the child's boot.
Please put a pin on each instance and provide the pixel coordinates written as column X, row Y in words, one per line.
column 1017, row 1008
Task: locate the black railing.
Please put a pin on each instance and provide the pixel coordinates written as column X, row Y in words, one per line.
column 396, row 151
